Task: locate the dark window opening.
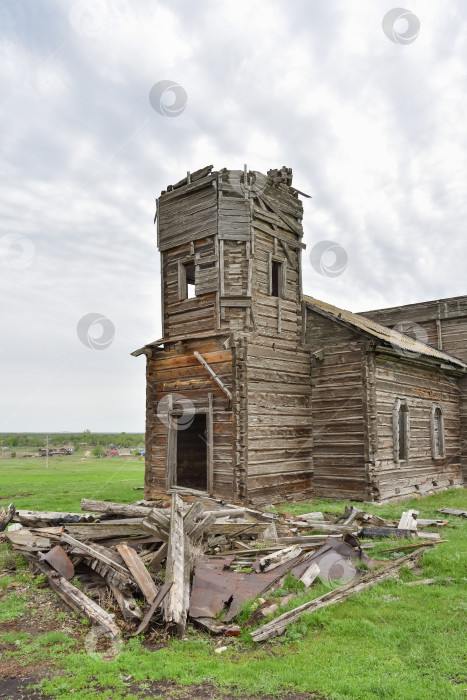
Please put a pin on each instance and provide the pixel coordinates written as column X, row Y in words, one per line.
column 437, row 432
column 276, row 270
column 192, row 454
column 402, row 435
column 401, row 430
column 190, row 290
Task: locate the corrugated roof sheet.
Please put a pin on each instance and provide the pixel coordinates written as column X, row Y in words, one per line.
column 395, row 338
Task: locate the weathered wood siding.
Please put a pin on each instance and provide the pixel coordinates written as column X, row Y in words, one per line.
column 176, row 371
column 187, row 316
column 338, row 410
column 421, row 387
column 443, row 325
column 187, row 214
column 279, row 454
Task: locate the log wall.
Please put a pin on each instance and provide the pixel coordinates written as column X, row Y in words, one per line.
column 279, row 454
column 338, row 410
column 444, row 326
column 175, row 371
column 421, row 387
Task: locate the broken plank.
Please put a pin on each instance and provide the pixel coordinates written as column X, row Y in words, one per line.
column 155, row 604
column 138, row 571
column 408, row 520
column 310, row 574
column 95, row 553
column 453, row 511
column 271, row 561
column 127, row 604
column 156, row 560
column 26, row 538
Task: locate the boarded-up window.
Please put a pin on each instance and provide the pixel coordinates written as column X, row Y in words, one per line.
column 401, row 431
column 437, row 432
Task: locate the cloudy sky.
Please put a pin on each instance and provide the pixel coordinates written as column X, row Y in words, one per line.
column 372, row 120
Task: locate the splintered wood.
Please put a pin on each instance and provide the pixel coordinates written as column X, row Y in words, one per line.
column 199, row 556
column 175, row 608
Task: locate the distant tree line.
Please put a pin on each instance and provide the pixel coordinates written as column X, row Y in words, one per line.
column 78, row 440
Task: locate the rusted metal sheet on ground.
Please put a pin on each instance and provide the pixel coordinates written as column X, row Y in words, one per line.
column 58, row 560
column 216, row 586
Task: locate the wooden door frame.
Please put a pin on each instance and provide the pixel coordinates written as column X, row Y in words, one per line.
column 171, row 467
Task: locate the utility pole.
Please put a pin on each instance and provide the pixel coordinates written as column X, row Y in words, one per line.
column 47, row 453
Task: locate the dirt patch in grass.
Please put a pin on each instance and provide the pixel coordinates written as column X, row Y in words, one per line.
column 44, row 613
column 207, row 691
column 16, row 688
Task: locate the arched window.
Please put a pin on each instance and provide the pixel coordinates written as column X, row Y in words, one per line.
column 401, row 430
column 437, row 432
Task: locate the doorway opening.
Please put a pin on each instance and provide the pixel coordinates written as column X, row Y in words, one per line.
column 192, row 454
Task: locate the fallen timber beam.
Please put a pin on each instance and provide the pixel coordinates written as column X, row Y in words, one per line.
column 329, row 528
column 76, row 599
column 38, row 518
column 278, row 626
column 416, row 545
column 128, row 527
column 127, row 511
column 175, row 608
column 217, row 379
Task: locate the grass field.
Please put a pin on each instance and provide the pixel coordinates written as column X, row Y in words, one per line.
column 61, row 486
column 392, row 642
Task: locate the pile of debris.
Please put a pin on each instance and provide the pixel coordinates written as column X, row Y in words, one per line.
column 201, row 559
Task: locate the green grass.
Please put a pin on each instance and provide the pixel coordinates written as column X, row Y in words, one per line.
column 391, row 642
column 31, row 486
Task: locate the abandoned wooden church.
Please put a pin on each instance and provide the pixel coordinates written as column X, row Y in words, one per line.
column 257, row 393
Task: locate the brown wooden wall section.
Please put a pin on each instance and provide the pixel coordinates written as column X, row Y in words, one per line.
column 175, row 370
column 444, row 322
column 421, row 387
column 280, row 462
column 338, row 410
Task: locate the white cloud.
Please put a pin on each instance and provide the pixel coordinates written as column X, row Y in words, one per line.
column 374, row 131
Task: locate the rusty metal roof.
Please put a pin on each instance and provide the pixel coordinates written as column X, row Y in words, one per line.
column 398, row 340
